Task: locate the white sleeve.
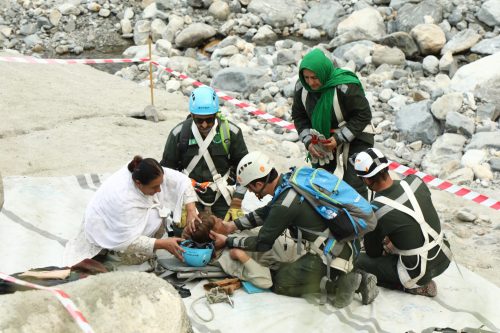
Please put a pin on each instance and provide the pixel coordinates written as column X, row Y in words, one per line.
column 189, row 195
column 142, row 245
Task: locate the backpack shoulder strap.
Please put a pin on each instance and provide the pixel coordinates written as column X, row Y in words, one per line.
column 224, row 132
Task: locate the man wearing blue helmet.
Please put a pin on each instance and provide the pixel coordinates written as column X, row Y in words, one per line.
column 207, row 147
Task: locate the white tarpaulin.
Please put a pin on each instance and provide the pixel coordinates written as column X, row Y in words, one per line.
column 41, row 214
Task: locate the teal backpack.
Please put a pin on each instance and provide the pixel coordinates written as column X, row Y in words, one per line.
column 347, row 214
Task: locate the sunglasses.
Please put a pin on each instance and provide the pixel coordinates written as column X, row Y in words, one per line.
column 208, row 120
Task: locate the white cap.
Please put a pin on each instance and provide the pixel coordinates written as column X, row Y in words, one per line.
column 369, row 162
column 253, row 166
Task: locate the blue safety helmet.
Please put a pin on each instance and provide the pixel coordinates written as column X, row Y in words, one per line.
column 196, row 254
column 203, row 101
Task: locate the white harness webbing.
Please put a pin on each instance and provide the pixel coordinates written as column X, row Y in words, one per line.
column 219, row 184
column 421, row 252
column 342, row 151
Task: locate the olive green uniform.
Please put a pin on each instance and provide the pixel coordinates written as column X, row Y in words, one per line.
column 405, row 233
column 175, row 159
column 288, row 211
column 357, row 115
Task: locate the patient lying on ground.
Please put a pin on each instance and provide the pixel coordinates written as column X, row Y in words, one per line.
column 248, row 266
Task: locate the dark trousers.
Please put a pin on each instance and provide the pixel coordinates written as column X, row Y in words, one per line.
column 302, row 276
column 384, row 268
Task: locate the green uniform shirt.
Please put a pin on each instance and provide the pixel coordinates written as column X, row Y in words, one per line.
column 288, row 211
column 173, row 158
column 403, row 231
column 355, row 109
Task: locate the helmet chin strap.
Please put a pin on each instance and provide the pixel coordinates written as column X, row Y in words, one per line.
column 259, row 194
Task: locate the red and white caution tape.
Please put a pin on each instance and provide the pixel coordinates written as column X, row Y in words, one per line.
column 32, row 60
column 242, row 105
column 61, row 296
column 446, row 186
column 401, row 169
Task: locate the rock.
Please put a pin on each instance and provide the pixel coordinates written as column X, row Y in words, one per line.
column 366, row 23
column 397, row 102
column 246, row 80
column 150, row 11
column 358, row 51
column 94, row 7
column 126, row 26
column 415, row 122
column 109, row 302
column 316, row 17
column 32, row 41
column 461, row 177
column 388, row 55
column 172, row 85
column 485, row 140
column 194, row 35
column 182, row 64
column 483, row 171
column 487, row 46
column 175, row 24
column 448, row 147
column 402, row 41
column 141, row 32
column 410, row 15
column 469, row 77
column 430, row 38
column 462, row 41
column 264, row 35
column 490, row 13
column 448, row 64
column 68, row 9
column 495, row 164
column 219, row 9
column 416, row 145
column 279, row 15
column 290, row 149
column 104, row 12
column 451, row 102
column 28, row 29
column 385, row 95
column 458, row 123
column 466, row 215
column 488, row 111
column 312, row 34
column 158, row 29
column 286, row 57
column 431, row 64
column 473, row 157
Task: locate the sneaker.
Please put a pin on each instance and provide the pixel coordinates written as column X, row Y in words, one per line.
column 368, row 288
column 429, row 290
column 347, row 284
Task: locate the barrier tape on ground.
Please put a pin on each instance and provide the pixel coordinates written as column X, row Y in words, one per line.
column 401, row 169
column 61, row 296
column 446, row 186
column 251, row 109
column 32, row 60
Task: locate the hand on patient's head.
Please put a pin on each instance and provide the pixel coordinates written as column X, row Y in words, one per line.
column 202, row 232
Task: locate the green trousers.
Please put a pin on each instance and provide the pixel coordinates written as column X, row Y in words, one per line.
column 302, row 276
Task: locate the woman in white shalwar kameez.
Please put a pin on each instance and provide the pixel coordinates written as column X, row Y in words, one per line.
column 127, row 212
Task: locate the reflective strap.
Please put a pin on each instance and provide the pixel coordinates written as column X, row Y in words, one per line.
column 304, row 96
column 337, row 110
column 401, row 199
column 220, row 182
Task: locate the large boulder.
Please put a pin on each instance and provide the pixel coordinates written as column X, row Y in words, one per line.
column 415, row 122
column 447, row 149
column 364, row 24
column 278, row 15
column 430, row 38
column 317, row 19
column 490, row 13
column 481, row 77
column 402, row 41
column 111, row 302
column 194, row 35
column 240, row 79
column 410, row 15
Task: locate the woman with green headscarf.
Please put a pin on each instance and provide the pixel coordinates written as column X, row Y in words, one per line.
column 319, row 82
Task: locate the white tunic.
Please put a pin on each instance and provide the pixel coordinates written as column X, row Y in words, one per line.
column 120, row 214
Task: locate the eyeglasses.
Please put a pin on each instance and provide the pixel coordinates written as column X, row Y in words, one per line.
column 208, row 120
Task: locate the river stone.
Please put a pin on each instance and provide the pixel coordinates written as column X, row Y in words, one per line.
column 247, row 80
column 194, row 35
column 485, row 140
column 410, row 15
column 451, row 102
column 462, row 41
column 415, row 122
column 448, row 147
column 278, row 15
column 487, row 46
column 316, row 17
column 490, row 13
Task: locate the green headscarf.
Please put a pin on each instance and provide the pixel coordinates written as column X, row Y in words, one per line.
column 329, row 76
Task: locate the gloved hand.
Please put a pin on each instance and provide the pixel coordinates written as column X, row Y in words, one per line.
column 234, row 212
column 324, row 155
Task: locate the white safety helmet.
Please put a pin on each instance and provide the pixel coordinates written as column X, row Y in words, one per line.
column 369, row 162
column 253, row 166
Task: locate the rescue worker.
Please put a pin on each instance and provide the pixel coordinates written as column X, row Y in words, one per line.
column 207, row 147
column 407, row 249
column 287, row 210
column 329, row 102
